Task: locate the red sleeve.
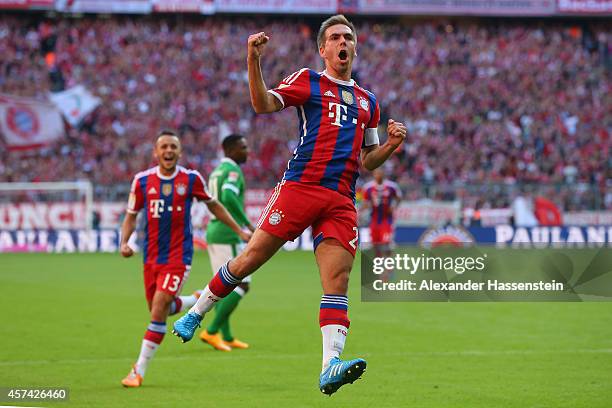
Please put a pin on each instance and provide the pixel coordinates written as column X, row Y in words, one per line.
column 293, row 90
column 366, row 194
column 136, row 200
column 199, row 190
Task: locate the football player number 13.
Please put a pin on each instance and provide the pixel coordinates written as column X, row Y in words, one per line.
column 175, row 282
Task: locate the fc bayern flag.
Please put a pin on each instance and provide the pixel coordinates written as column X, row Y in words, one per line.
column 28, row 124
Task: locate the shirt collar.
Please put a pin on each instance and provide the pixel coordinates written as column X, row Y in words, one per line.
column 161, row 176
column 228, row 160
column 338, row 81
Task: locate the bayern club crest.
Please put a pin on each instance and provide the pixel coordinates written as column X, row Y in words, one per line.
column 181, row 189
column 364, row 103
column 23, row 121
column 276, row 217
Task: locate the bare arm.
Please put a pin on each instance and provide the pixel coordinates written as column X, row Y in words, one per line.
column 127, row 228
column 261, row 99
column 372, row 157
column 222, row 215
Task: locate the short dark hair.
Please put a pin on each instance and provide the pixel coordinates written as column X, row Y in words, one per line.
column 332, row 21
column 166, row 132
column 230, row 141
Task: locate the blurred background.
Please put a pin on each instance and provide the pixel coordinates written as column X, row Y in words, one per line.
column 507, row 104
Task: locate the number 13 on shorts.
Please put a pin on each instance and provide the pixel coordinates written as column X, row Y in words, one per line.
column 171, row 283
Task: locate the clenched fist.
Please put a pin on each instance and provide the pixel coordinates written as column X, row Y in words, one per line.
column 126, row 251
column 256, row 44
column 396, row 132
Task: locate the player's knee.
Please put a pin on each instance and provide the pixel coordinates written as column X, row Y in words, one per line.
column 161, row 303
column 339, row 277
column 335, row 280
column 342, row 275
column 337, row 286
column 341, row 270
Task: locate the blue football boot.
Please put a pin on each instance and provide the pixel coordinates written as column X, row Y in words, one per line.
column 339, row 373
column 186, row 326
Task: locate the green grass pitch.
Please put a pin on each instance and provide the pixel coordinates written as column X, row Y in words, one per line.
column 77, row 321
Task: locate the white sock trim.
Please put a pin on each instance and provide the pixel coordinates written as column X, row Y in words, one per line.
column 205, row 302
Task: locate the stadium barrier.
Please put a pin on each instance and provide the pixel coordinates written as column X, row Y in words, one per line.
column 107, row 240
column 507, row 235
column 103, row 240
column 73, row 215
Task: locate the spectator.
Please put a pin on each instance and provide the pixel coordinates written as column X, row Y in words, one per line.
column 486, row 103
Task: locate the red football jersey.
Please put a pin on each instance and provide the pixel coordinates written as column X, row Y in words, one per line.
column 382, row 198
column 167, row 200
column 336, row 120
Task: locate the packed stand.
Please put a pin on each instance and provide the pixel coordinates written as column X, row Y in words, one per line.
column 486, row 103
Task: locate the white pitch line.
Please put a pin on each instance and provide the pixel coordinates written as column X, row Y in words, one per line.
column 278, row 356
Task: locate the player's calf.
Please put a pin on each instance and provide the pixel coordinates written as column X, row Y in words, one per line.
column 334, row 323
column 220, row 286
column 152, row 339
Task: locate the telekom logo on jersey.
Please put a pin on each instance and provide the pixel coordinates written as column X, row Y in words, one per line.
column 338, row 112
column 156, row 207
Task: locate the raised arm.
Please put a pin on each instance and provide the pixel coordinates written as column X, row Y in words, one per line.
column 372, row 157
column 261, row 99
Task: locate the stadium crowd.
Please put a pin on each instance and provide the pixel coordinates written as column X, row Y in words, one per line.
column 485, row 101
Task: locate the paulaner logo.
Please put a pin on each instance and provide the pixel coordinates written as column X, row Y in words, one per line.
column 450, row 235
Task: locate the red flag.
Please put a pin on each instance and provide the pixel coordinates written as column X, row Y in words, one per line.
column 547, row 212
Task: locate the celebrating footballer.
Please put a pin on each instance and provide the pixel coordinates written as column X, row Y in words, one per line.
column 338, row 123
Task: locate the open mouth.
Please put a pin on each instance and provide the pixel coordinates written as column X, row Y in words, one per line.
column 168, row 159
column 343, row 55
